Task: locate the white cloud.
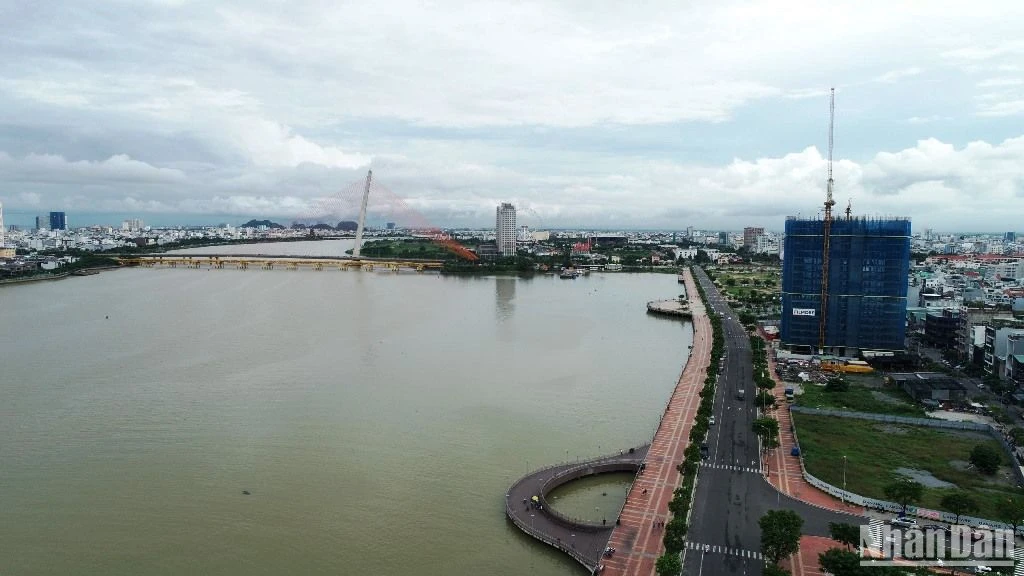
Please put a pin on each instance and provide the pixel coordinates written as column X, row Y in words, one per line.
column 579, row 114
column 923, row 182
column 927, row 119
column 894, row 75
column 49, row 168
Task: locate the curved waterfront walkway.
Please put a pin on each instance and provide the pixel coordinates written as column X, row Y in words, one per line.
column 582, row 540
column 638, row 539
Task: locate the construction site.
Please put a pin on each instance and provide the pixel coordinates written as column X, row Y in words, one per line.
column 844, row 279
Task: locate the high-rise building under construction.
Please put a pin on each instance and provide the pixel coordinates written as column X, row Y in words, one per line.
column 844, row 280
column 866, row 293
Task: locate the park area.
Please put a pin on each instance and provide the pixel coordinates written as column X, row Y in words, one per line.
column 755, row 286
column 878, row 453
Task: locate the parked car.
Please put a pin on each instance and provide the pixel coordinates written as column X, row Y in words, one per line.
column 711, row 421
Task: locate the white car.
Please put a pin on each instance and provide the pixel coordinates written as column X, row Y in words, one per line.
column 711, row 421
column 903, row 521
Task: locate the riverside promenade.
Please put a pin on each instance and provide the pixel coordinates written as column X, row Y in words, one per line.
column 527, row 506
column 637, row 539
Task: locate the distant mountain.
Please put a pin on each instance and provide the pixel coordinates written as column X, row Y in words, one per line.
column 258, row 223
column 321, row 227
column 348, row 225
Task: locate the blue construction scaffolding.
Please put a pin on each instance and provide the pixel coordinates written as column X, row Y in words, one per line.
column 869, row 261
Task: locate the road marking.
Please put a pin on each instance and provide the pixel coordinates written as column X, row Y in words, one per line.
column 732, row 467
column 724, row 550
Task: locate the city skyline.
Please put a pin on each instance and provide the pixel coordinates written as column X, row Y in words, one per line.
column 712, row 115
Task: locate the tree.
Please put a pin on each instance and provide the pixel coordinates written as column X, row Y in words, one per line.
column 844, row 533
column 765, row 399
column 986, row 459
column 958, row 503
column 675, row 533
column 837, row 384
column 767, row 428
column 904, row 492
column 1013, row 512
column 668, row 564
column 780, row 534
column 839, row 562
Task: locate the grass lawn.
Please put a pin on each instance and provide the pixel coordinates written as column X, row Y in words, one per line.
column 874, row 450
column 405, row 248
column 860, row 399
column 738, row 283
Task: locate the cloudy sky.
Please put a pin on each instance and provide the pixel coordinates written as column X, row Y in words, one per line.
column 645, row 114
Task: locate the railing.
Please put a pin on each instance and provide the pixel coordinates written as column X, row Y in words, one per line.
column 575, row 473
column 875, row 504
column 929, row 422
column 557, row 543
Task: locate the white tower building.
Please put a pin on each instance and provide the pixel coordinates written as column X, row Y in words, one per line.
column 505, row 229
column 3, row 231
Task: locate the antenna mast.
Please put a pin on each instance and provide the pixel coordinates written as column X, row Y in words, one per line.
column 827, row 227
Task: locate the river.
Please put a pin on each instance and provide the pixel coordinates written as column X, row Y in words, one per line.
column 375, row 418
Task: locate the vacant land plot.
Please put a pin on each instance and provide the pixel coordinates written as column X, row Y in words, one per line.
column 861, row 399
column 874, row 452
column 404, row 248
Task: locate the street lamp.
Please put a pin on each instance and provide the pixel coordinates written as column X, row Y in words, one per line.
column 844, row 479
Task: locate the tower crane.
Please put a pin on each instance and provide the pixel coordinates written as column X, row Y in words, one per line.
column 827, row 228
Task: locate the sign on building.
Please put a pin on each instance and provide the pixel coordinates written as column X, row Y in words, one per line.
column 803, row 311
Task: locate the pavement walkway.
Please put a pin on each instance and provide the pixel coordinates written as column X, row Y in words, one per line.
column 784, row 471
column 638, row 539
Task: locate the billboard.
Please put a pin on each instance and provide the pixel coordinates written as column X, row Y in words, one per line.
column 803, row 311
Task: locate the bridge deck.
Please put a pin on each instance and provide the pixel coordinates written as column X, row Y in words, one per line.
column 583, row 541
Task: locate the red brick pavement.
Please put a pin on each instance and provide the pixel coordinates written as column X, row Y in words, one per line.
column 638, row 542
column 784, row 470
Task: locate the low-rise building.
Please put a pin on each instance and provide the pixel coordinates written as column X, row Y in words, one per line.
column 932, row 386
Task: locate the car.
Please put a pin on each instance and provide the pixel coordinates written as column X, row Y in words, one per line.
column 981, row 386
column 711, row 421
column 903, row 521
column 982, row 569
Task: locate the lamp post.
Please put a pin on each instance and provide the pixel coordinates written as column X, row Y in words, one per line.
column 844, row 479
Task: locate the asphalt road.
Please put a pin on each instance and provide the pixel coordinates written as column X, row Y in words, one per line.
column 724, row 537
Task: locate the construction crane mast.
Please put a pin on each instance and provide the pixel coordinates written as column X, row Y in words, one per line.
column 827, row 228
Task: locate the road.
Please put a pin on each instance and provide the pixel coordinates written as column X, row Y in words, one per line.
column 732, row 494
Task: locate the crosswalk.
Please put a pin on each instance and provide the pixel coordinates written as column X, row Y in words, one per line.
column 716, row 549
column 717, row 466
column 875, row 529
column 1018, row 561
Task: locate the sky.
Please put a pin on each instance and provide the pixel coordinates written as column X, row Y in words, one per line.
column 648, row 114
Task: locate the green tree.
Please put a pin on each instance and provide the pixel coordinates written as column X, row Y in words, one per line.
column 839, row 562
column 669, row 565
column 959, row 503
column 780, row 534
column 986, row 459
column 767, row 428
column 837, row 384
column 675, row 533
column 844, row 533
column 904, row 492
column 765, row 399
column 1013, row 512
